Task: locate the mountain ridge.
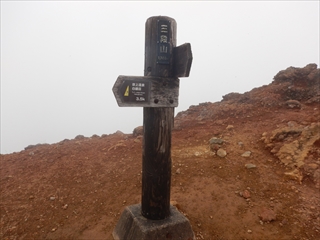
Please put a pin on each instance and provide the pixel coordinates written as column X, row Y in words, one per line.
column 247, row 167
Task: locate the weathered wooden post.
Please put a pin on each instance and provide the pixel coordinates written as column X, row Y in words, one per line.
column 158, row 93
column 160, row 40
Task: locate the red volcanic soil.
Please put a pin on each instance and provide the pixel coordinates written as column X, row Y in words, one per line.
column 259, row 180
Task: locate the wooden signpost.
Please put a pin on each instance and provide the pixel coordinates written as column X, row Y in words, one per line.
column 157, row 92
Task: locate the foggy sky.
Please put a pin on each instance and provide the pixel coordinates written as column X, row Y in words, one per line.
column 59, row 60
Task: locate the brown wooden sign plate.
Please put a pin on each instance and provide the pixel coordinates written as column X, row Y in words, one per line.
column 147, row 91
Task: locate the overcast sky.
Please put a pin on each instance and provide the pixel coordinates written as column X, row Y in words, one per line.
column 59, row 60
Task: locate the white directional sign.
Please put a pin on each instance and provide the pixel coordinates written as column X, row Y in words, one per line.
column 131, row 91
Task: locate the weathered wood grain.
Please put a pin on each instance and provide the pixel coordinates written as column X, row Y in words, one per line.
column 182, row 60
column 157, row 123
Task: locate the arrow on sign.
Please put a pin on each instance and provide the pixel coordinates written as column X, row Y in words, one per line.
column 148, row 91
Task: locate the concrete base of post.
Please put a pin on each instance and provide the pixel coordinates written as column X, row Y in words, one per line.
column 132, row 226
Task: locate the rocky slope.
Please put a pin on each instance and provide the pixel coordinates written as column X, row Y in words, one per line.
column 247, row 167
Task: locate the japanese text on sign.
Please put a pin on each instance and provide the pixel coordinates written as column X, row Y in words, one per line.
column 163, row 42
column 137, row 86
column 135, row 92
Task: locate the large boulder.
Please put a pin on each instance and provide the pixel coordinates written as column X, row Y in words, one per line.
column 138, row 131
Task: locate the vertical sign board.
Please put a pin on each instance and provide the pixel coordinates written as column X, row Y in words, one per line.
column 163, row 42
column 160, row 41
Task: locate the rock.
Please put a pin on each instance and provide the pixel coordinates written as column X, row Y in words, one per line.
column 292, row 124
column 267, row 215
column 197, row 154
column 250, row 165
column 119, row 133
column 64, row 141
column 299, row 83
column 138, row 131
column 178, row 171
column 65, row 206
column 229, row 127
column 294, row 175
column 78, row 137
column 215, row 144
column 29, row 147
column 52, row 198
column 231, row 96
column 240, row 144
column 293, row 145
column 293, row 104
column 215, row 140
column 214, row 147
column 246, row 154
column 221, row 152
column 246, row 194
column 294, row 74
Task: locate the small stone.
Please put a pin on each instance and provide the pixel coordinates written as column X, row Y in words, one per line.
column 221, row 152
column 250, row 165
column 65, row 206
column 53, row 229
column 214, row 147
column 249, row 231
column 229, row 127
column 52, row 198
column 267, row 215
column 292, row 124
column 215, row 140
column 178, row 171
column 246, row 194
column 246, row 154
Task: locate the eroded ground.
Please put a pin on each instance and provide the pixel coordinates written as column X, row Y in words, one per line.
column 77, row 189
